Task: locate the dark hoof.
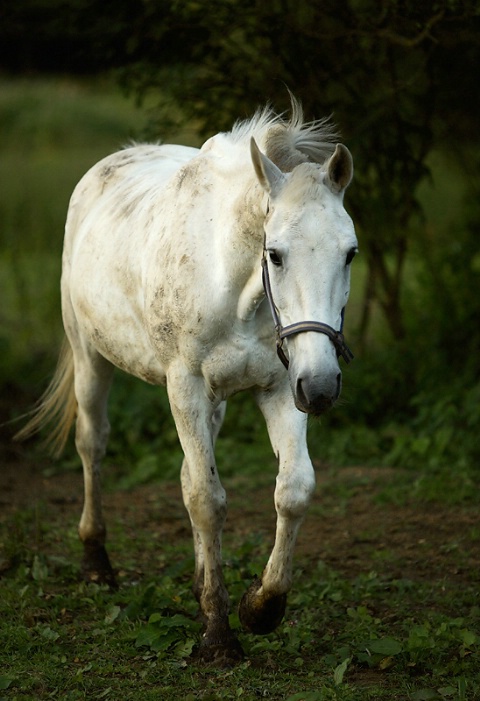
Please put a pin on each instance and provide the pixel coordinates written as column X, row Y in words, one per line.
column 261, row 615
column 96, row 566
column 222, row 651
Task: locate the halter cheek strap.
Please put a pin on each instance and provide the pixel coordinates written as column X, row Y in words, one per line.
column 282, row 332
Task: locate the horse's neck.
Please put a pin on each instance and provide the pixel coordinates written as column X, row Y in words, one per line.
column 251, row 296
column 232, row 212
column 242, row 244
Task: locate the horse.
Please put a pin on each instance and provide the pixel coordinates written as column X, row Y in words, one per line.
column 193, row 269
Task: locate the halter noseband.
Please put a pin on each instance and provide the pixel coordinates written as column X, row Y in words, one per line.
column 282, row 332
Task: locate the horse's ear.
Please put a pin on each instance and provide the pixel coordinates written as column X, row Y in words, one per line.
column 339, row 169
column 269, row 176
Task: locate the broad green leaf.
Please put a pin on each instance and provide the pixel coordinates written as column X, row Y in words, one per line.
column 425, row 695
column 178, row 621
column 164, row 640
column 39, row 570
column 155, row 618
column 5, row 682
column 146, row 636
column 185, row 648
column 384, row 646
column 339, row 672
column 112, row 614
column 469, row 638
column 49, row 634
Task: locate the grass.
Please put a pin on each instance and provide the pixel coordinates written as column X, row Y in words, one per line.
column 346, row 637
column 52, row 132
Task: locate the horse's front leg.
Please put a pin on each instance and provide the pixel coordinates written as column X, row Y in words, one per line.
column 263, row 605
column 196, row 419
column 217, row 421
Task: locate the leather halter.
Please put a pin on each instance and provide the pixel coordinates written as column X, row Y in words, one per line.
column 282, row 332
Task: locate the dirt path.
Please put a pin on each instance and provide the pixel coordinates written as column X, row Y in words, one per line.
column 352, row 533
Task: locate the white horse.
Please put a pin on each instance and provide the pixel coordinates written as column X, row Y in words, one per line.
column 162, row 277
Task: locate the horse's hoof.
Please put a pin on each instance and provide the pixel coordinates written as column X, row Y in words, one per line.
column 223, row 651
column 96, row 567
column 259, row 614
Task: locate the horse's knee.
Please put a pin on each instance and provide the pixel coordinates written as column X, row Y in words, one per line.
column 207, row 510
column 293, row 495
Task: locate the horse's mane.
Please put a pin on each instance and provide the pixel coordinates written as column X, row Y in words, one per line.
column 288, row 142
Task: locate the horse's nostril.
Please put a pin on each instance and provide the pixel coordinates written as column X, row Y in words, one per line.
column 301, row 398
column 310, row 400
column 339, row 383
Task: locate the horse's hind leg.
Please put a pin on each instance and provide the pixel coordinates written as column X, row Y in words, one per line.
column 93, row 376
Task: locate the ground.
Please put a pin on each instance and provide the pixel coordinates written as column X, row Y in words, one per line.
column 349, row 526
column 359, row 523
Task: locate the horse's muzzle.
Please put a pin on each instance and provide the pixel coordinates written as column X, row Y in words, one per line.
column 314, row 398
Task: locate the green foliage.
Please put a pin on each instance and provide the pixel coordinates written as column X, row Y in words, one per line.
column 344, row 638
column 448, row 274
column 384, row 72
column 440, row 424
column 144, row 441
column 431, row 434
column 169, row 634
column 52, row 132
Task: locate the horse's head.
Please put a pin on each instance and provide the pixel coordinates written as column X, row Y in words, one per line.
column 309, row 244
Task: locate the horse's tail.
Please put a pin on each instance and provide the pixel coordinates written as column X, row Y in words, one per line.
column 57, row 403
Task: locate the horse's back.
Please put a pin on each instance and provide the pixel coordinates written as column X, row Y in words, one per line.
column 111, row 211
column 132, row 170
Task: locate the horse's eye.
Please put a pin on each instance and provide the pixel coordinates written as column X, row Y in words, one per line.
column 350, row 256
column 275, row 258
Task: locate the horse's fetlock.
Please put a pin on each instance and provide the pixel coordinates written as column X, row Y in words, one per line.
column 92, row 533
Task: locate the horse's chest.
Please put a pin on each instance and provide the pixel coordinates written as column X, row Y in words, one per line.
column 238, row 363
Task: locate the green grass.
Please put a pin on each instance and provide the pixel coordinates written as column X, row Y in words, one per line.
column 51, row 133
column 365, row 637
